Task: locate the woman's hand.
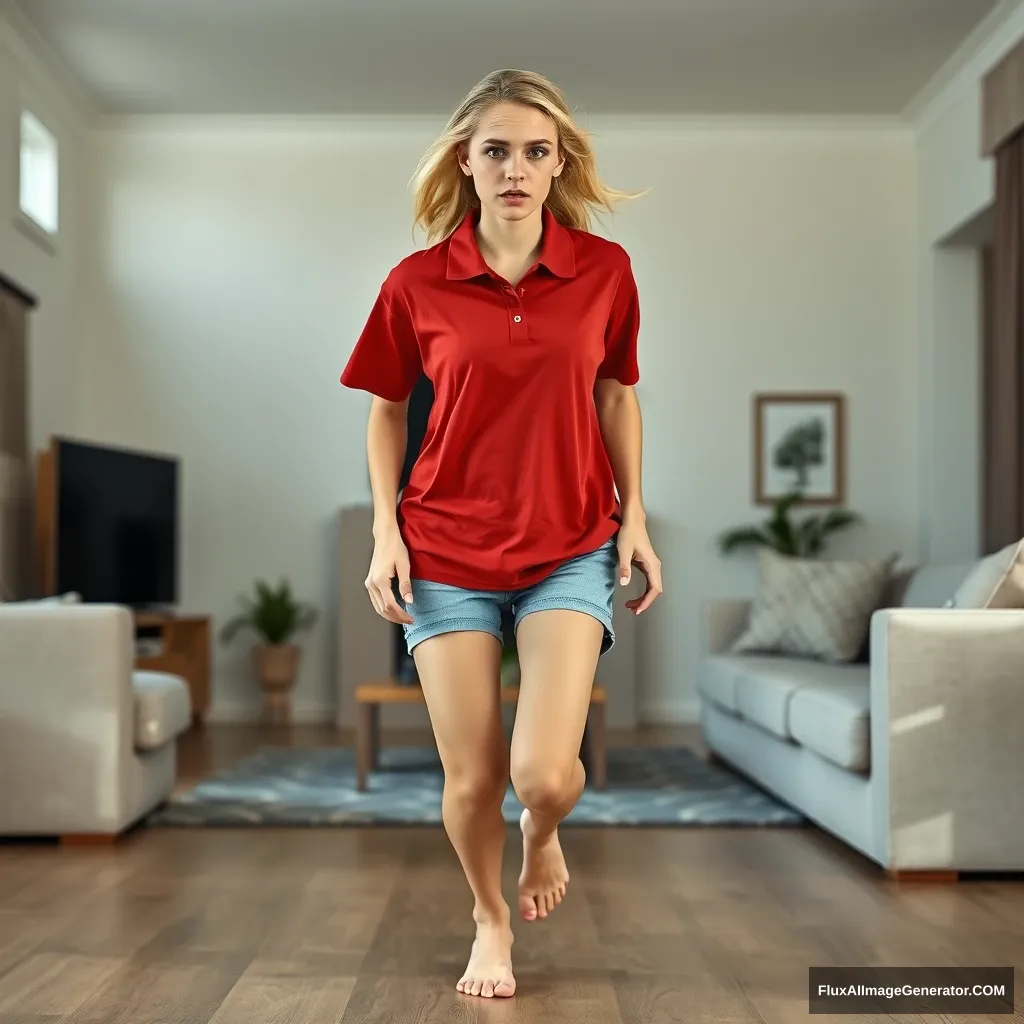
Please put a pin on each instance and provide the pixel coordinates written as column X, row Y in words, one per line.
column 390, row 559
column 635, row 549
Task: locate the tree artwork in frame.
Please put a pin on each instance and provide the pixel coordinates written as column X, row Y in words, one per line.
column 798, row 446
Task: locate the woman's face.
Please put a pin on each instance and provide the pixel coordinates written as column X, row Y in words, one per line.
column 512, row 157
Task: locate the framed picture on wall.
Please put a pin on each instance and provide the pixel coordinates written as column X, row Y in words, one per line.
column 799, row 441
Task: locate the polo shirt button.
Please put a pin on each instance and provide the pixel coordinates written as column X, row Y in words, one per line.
column 517, row 318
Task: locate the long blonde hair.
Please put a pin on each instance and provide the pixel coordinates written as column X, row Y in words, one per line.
column 443, row 195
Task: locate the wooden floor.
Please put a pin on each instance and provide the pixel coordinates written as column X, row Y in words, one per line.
column 372, row 925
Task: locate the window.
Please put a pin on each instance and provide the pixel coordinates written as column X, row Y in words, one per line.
column 38, row 173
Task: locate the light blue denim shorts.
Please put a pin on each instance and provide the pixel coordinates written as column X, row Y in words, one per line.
column 585, row 584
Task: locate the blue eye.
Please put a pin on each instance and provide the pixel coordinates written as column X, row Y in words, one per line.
column 541, row 152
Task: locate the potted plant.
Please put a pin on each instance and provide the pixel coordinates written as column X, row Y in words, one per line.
column 276, row 617
column 805, row 538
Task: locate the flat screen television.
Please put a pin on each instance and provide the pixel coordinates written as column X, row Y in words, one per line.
column 115, row 524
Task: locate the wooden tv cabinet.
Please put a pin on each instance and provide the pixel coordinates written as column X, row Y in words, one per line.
column 185, row 640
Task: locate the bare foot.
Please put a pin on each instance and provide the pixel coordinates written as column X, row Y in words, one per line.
column 489, row 972
column 544, row 877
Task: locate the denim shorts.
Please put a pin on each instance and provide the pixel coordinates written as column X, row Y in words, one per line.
column 584, row 584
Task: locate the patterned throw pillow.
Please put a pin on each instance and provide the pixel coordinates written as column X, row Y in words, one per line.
column 813, row 608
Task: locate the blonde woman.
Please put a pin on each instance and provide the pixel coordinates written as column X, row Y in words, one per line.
column 526, row 493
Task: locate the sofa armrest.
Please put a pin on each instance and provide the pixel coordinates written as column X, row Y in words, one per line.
column 66, row 713
column 947, row 709
column 723, row 620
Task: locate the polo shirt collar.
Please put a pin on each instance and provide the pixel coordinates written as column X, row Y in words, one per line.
column 465, row 260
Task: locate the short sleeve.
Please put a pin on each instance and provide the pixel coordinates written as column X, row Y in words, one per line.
column 386, row 358
column 620, row 339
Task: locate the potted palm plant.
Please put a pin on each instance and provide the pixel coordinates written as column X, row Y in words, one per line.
column 805, row 538
column 276, row 617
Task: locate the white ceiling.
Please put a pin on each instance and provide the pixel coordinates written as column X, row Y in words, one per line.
column 738, row 57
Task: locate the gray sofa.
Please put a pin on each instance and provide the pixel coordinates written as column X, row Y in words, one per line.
column 88, row 744
column 914, row 757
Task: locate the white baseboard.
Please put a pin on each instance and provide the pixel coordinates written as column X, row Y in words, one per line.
column 245, row 714
column 670, row 712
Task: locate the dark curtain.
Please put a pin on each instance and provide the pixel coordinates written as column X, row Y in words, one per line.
column 1003, row 357
column 15, row 522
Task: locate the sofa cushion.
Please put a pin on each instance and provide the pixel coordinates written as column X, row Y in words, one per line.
column 763, row 692
column 813, row 607
column 716, row 679
column 163, row 708
column 765, row 687
column 832, row 718
column 761, row 688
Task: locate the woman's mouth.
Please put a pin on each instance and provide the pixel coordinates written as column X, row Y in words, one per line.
column 514, row 196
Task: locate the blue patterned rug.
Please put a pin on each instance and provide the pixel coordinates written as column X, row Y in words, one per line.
column 666, row 786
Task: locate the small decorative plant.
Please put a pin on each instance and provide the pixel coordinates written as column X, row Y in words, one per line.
column 805, row 538
column 276, row 617
column 271, row 612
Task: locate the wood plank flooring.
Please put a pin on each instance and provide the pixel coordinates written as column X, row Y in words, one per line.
column 310, row 926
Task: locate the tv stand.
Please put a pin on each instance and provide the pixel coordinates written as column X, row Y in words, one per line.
column 185, row 651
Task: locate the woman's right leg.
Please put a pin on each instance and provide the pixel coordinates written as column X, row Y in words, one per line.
column 460, row 676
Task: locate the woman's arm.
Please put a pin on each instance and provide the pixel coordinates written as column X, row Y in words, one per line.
column 386, row 440
column 618, row 413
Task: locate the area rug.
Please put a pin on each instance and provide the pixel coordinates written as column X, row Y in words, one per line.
column 288, row 786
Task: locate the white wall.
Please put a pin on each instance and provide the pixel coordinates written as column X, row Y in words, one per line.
column 956, row 193
column 233, row 264
column 50, row 274
column 768, row 258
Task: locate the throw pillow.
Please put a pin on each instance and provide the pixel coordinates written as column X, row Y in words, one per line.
column 996, row 581
column 812, row 607
column 55, row 601
column 892, row 597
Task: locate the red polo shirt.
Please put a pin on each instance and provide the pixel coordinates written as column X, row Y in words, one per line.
column 513, row 477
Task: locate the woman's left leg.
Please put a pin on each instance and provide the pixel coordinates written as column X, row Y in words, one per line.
column 558, row 654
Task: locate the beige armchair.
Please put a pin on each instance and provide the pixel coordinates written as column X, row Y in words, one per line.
column 87, row 743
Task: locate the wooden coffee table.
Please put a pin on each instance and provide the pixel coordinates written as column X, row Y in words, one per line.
column 371, row 695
